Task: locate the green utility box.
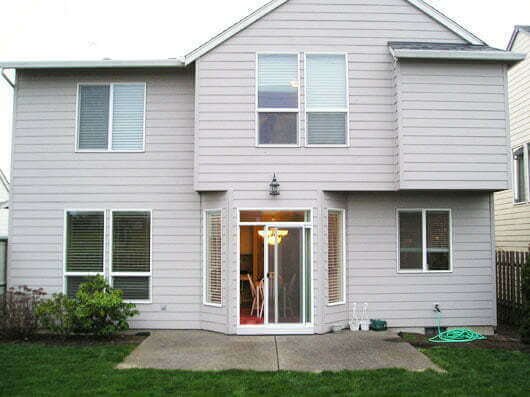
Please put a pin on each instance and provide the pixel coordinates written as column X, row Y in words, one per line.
column 378, row 325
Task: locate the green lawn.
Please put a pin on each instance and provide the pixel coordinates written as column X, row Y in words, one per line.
column 29, row 369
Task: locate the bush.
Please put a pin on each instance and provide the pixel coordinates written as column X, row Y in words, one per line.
column 58, row 314
column 525, row 285
column 97, row 309
column 100, row 309
column 18, row 318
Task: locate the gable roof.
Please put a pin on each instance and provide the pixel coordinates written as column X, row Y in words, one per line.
column 274, row 4
column 517, row 29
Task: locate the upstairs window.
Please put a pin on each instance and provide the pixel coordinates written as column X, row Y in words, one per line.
column 277, row 101
column 424, row 240
column 326, row 99
column 520, row 174
column 111, row 117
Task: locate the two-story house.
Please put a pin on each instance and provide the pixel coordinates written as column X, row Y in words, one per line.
column 512, row 207
column 313, row 156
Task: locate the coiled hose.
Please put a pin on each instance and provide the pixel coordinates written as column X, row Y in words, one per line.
column 457, row 335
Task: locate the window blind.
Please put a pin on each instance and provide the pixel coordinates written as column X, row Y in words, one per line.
column 128, row 116
column 335, row 257
column 134, row 288
column 73, row 283
column 85, row 241
column 277, row 81
column 213, row 259
column 93, row 121
column 326, row 101
column 326, row 128
column 520, row 176
column 131, row 241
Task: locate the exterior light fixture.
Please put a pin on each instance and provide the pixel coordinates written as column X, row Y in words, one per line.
column 274, row 187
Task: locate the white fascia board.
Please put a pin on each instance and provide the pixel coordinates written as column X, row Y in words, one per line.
column 446, row 21
column 110, row 63
column 508, row 57
column 232, row 30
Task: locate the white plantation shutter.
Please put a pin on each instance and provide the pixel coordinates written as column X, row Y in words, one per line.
column 213, row 291
column 335, row 256
column 128, row 102
column 326, row 102
column 93, row 123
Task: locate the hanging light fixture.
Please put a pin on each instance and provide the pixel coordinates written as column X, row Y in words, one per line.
column 271, row 236
column 274, row 187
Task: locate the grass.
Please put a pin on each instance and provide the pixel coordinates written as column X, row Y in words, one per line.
column 32, row 369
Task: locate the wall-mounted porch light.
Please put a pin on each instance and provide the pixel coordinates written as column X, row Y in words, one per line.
column 274, row 187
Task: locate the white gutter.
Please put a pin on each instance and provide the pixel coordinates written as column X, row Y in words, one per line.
column 6, row 77
column 501, row 56
column 105, row 63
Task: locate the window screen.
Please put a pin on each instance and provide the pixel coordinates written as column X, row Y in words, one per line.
column 335, row 256
column 326, row 102
column 438, row 240
column 277, row 82
column 410, row 240
column 93, row 121
column 213, row 259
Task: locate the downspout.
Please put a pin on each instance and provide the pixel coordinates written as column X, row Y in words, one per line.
column 6, row 78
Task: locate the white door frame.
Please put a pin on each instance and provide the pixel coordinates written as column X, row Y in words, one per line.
column 277, row 329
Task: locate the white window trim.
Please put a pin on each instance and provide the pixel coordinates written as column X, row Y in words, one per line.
column 109, row 130
column 205, row 259
column 344, row 252
column 133, row 274
column 259, row 110
column 320, row 110
column 65, row 229
column 425, row 269
column 515, row 189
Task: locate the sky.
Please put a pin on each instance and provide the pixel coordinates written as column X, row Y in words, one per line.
column 158, row 29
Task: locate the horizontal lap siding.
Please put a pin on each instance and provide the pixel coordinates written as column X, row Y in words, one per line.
column 452, row 126
column 466, row 296
column 226, row 125
column 49, row 177
column 512, row 222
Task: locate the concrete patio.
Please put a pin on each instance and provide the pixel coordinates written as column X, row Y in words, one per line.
column 208, row 351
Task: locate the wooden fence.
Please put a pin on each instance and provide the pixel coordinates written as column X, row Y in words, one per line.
column 509, row 293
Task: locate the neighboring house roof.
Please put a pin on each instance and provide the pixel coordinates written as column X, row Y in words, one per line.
column 518, row 29
column 418, row 50
column 222, row 37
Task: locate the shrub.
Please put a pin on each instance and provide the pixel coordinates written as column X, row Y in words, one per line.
column 18, row 317
column 100, row 309
column 58, row 314
column 525, row 285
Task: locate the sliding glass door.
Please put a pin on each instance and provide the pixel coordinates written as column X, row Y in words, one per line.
column 287, row 280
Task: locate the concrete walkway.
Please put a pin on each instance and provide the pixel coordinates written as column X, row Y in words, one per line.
column 207, row 351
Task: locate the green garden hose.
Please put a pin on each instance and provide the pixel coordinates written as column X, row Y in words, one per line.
column 457, row 335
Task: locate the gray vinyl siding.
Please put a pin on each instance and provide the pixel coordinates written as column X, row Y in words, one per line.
column 512, row 222
column 452, row 126
column 48, row 177
column 226, row 125
column 466, row 296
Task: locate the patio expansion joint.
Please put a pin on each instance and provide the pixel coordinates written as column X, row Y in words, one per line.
column 277, row 355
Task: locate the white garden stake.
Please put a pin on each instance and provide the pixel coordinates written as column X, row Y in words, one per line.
column 365, row 324
column 354, row 323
